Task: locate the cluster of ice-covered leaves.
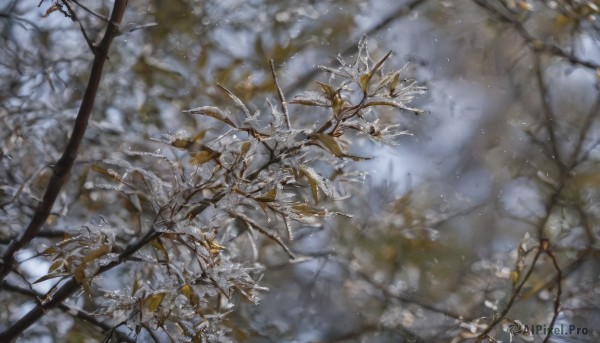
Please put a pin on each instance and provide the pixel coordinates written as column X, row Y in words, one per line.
column 363, row 85
column 254, row 177
column 82, row 255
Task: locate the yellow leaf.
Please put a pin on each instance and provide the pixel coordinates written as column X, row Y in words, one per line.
column 213, row 247
column 514, row 277
column 329, row 143
column 188, row 292
column 269, row 196
column 364, row 80
column 327, row 90
column 182, row 143
column 314, row 189
column 136, row 285
column 95, row 254
column 50, row 10
column 153, row 302
column 561, row 21
column 312, row 181
column 304, row 208
column 158, row 245
column 50, row 276
column 49, row 251
column 337, row 104
column 245, row 148
column 79, row 276
column 212, row 112
column 203, row 156
column 55, row 265
column 394, row 83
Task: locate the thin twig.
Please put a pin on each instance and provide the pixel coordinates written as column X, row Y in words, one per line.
column 558, row 293
column 535, row 43
column 548, row 114
column 90, row 11
column 281, row 96
column 17, row 18
column 585, row 128
column 271, row 234
column 512, row 299
column 74, row 17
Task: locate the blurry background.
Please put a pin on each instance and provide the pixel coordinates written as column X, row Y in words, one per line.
column 446, row 222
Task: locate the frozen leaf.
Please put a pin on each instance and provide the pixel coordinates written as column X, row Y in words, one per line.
column 310, row 98
column 153, row 302
column 213, row 247
column 50, row 10
column 245, row 148
column 54, row 266
column 269, row 196
column 134, row 200
column 316, row 181
column 158, row 245
column 50, row 276
column 204, row 155
column 392, row 103
column 302, row 208
column 211, row 111
column 331, row 144
column 49, row 251
column 186, row 142
column 365, row 78
column 236, row 100
column 188, row 292
column 279, row 118
column 327, row 90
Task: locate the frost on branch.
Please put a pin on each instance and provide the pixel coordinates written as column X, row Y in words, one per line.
column 254, row 179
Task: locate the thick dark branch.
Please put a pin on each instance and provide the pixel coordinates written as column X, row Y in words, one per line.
column 75, row 312
column 38, row 311
column 63, row 167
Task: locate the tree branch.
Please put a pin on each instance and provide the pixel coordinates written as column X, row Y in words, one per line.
column 63, row 166
column 75, row 312
column 536, row 44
